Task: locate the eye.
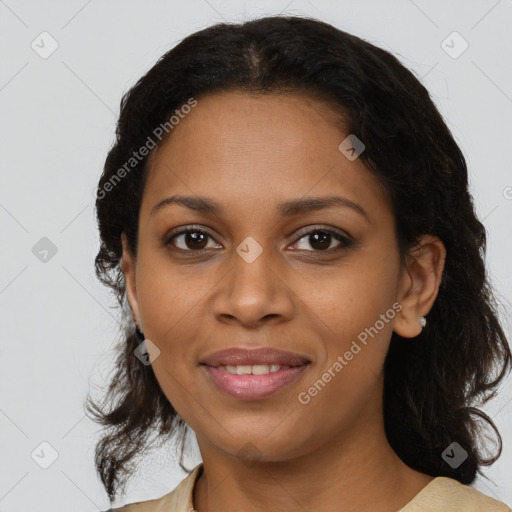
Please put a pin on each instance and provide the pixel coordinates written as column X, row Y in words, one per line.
column 191, row 240
column 321, row 240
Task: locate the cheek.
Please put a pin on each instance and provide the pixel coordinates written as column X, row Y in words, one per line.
column 171, row 297
column 355, row 310
column 174, row 322
column 355, row 347
column 172, row 305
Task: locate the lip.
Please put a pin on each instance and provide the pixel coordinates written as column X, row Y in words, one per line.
column 244, row 356
column 253, row 387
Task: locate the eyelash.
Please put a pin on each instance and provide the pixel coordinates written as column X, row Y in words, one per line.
column 345, row 242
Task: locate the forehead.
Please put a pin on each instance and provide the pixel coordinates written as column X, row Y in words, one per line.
column 240, row 125
column 258, row 146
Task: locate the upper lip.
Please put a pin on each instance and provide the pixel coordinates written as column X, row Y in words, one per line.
column 244, row 356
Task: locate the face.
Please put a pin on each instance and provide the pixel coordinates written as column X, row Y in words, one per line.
column 253, row 274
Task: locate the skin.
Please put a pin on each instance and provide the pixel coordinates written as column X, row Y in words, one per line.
column 249, row 153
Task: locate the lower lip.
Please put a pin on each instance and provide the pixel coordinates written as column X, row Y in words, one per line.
column 253, row 387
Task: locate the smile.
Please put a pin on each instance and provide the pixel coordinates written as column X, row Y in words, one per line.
column 253, row 382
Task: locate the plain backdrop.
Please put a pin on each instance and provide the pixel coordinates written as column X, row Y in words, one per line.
column 58, row 113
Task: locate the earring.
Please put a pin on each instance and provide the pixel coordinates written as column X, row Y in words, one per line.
column 139, row 334
column 423, row 321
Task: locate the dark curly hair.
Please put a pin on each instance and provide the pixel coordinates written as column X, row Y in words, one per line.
column 432, row 384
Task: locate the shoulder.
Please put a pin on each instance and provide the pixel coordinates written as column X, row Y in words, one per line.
column 447, row 494
column 178, row 500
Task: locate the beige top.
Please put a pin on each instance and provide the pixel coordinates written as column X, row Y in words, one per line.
column 440, row 495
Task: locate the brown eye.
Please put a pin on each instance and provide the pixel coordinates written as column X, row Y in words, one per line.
column 321, row 239
column 190, row 240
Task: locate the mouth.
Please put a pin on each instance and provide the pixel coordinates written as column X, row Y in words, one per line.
column 253, row 382
column 253, row 369
column 253, row 374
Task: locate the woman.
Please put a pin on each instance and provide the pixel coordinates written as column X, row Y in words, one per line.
column 288, row 218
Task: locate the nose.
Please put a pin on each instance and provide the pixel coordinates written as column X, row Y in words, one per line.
column 254, row 291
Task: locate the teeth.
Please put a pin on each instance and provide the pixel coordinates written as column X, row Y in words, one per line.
column 255, row 369
column 243, row 370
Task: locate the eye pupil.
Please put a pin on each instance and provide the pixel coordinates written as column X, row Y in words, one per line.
column 323, row 236
column 194, row 236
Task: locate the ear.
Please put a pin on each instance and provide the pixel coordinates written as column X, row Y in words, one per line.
column 128, row 268
column 419, row 284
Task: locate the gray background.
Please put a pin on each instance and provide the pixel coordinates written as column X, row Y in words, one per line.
column 58, row 324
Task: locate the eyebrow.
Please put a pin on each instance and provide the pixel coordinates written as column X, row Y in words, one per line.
column 289, row 208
